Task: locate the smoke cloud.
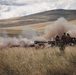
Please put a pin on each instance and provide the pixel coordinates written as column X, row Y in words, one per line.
column 58, row 28
column 29, row 35
column 28, row 32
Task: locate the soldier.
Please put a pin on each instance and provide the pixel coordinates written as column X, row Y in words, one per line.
column 73, row 41
column 63, row 38
column 62, row 43
column 57, row 40
column 68, row 39
column 61, row 47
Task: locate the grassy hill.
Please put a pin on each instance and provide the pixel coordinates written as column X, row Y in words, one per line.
column 37, row 21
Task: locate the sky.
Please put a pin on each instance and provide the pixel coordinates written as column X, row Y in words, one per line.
column 17, row 8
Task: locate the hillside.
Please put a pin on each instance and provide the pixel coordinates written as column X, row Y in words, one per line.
column 37, row 21
column 38, row 18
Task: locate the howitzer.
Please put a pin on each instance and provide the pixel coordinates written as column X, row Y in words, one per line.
column 53, row 43
column 40, row 43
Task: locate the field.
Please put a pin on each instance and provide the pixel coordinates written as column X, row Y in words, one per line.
column 18, row 29
column 15, row 30
column 29, row 61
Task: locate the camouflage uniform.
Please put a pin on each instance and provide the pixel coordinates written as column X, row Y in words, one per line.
column 63, row 38
column 68, row 39
column 62, row 46
column 62, row 43
column 57, row 40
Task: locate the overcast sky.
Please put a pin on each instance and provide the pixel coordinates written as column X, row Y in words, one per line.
column 16, row 8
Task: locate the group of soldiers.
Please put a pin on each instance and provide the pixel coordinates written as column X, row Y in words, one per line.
column 65, row 40
column 61, row 42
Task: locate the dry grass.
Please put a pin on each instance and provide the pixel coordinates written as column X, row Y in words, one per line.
column 39, row 27
column 73, row 21
column 29, row 61
column 16, row 29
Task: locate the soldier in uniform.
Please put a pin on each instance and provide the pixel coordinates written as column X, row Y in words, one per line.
column 73, row 41
column 68, row 39
column 63, row 38
column 62, row 46
column 62, row 43
column 57, row 40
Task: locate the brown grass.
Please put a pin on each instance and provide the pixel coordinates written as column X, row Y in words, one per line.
column 29, row 61
column 16, row 29
column 73, row 21
column 39, row 27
